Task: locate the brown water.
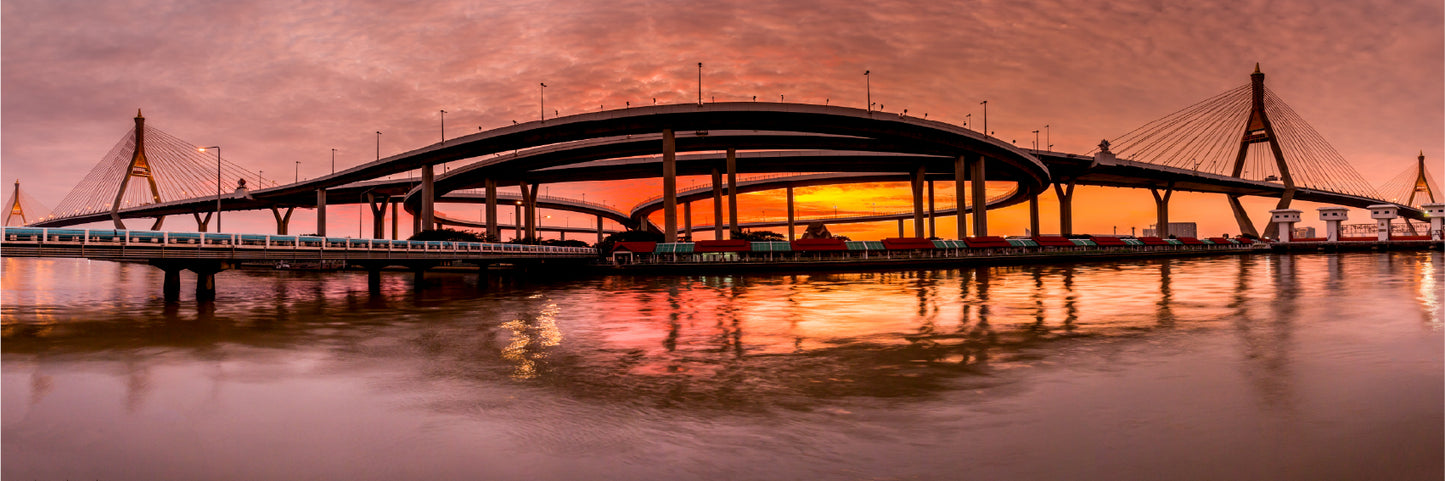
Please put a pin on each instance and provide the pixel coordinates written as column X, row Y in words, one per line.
column 1252, row 367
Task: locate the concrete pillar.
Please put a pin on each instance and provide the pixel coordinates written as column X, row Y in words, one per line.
column 529, row 206
column 791, row 228
column 960, row 176
column 1065, row 193
column 1435, row 211
column 395, row 203
column 202, row 222
column 415, row 223
column 687, row 220
column 1384, row 214
column 321, row 212
column 428, row 198
column 900, row 227
column 1285, row 220
column 599, row 228
column 171, row 288
column 492, row 231
column 1034, row 215
column 1333, row 216
column 669, row 185
column 717, row 218
column 205, row 285
column 1161, row 210
column 980, row 196
column 916, row 182
column 378, row 215
column 373, row 279
column 932, row 212
column 732, row 166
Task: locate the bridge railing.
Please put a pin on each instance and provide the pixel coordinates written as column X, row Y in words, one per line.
column 18, row 236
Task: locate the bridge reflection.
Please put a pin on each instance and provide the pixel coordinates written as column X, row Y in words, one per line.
column 729, row 342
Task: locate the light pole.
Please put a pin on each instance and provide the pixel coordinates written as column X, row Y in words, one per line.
column 444, row 128
column 542, row 97
column 985, row 118
column 868, row 87
column 333, row 161
column 699, row 83
column 378, row 145
column 1047, row 141
column 966, row 119
column 218, row 184
column 298, row 172
column 1036, row 140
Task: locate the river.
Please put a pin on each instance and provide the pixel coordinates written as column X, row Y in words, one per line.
column 1262, row 366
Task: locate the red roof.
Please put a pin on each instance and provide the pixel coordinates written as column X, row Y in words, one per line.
column 1359, row 239
column 819, row 245
column 1219, row 240
column 1107, row 241
column 1308, row 239
column 635, row 246
column 1053, row 241
column 1190, row 241
column 1410, row 237
column 727, row 245
column 1153, row 241
column 907, row 243
column 988, row 242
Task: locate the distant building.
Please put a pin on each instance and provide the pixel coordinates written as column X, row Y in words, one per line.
column 1176, row 229
column 1304, row 233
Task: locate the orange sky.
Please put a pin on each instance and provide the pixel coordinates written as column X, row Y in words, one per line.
column 279, row 82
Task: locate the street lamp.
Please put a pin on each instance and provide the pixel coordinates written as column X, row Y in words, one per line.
column 378, row 145
column 542, row 97
column 298, row 172
column 444, row 130
column 868, row 87
column 985, row 117
column 1036, row 140
column 218, row 184
column 699, row 83
column 333, row 161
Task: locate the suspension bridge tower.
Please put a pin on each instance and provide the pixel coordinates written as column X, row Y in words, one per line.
column 23, row 207
column 139, row 167
column 1258, row 129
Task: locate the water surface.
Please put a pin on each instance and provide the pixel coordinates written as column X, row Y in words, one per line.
column 1234, row 367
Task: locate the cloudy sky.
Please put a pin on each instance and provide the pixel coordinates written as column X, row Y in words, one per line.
column 281, row 81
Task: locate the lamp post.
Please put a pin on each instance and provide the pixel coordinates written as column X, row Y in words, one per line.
column 542, row 97
column 699, row 83
column 1036, row 140
column 444, row 129
column 333, row 161
column 218, row 184
column 868, row 87
column 966, row 119
column 298, row 172
column 985, row 118
column 1047, row 141
column 378, row 145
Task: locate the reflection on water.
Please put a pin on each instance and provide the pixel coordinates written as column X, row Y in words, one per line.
column 586, row 375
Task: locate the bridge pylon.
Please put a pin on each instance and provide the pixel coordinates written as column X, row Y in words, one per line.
column 24, row 207
column 138, row 167
column 1258, row 129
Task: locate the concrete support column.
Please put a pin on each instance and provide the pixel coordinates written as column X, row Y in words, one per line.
column 205, row 285
column 283, row 221
column 1161, row 210
column 1241, row 217
column 732, row 166
column 1284, row 220
column 492, row 232
column 916, row 183
column 1384, row 215
column 378, row 215
column 171, row 288
column 529, row 207
column 687, row 220
column 394, row 212
column 321, row 212
column 373, row 279
column 428, row 198
column 900, row 227
column 1332, row 217
column 1436, row 211
column 932, row 213
column 1065, row 192
column 717, row 218
column 669, row 185
column 203, row 222
column 792, row 232
column 980, row 196
column 599, row 229
column 1034, row 215
column 415, row 224
column 960, row 175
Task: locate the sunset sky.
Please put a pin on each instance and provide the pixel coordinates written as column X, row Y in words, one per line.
column 284, row 81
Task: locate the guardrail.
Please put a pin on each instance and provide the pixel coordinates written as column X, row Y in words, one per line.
column 171, row 242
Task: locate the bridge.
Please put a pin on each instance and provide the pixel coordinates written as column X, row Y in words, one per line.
column 1243, row 142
